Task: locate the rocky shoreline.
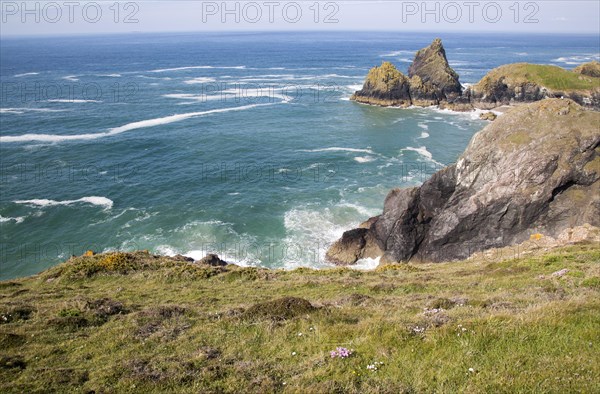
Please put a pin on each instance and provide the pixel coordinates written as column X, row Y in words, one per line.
column 432, row 82
column 536, row 170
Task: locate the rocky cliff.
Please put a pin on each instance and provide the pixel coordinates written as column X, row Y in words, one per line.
column 431, row 81
column 534, row 170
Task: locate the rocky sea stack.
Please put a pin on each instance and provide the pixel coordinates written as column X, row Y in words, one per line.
column 536, row 169
column 384, row 86
column 431, row 81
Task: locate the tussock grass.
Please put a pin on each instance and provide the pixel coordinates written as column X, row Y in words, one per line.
column 142, row 323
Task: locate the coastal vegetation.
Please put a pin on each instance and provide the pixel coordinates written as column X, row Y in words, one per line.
column 552, row 77
column 513, row 320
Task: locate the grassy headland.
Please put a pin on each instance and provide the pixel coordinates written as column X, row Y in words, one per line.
column 552, row 77
column 142, row 323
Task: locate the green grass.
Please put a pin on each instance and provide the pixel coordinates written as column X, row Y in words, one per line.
column 552, row 77
column 136, row 323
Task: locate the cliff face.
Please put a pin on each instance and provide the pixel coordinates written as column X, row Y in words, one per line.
column 534, row 170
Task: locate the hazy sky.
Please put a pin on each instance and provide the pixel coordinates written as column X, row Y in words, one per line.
column 88, row 17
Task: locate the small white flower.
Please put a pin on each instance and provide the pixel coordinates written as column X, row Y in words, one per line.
column 299, row 334
column 471, row 370
column 293, row 353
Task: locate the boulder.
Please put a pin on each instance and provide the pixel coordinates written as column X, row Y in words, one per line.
column 213, row 260
column 488, row 116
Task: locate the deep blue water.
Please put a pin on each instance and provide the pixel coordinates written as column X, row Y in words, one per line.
column 244, row 144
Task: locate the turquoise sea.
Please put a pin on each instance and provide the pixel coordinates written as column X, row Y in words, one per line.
column 242, row 144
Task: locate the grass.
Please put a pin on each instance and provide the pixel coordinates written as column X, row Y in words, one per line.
column 140, row 323
column 552, row 77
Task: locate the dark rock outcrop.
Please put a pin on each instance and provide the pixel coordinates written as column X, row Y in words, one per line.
column 355, row 244
column 534, row 170
column 431, row 78
column 488, row 116
column 213, row 260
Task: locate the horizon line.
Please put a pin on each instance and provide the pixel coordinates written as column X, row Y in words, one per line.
column 80, row 34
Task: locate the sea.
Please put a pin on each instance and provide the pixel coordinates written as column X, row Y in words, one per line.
column 240, row 144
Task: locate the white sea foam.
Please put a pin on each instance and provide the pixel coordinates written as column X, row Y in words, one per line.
column 17, row 220
column 578, row 59
column 337, row 149
column 121, row 129
column 310, row 230
column 23, row 110
column 109, row 75
column 423, row 152
column 72, row 101
column 364, row 159
column 72, row 78
column 365, row 264
column 25, row 74
column 423, row 135
column 362, row 211
column 197, row 97
column 423, row 126
column 94, row 200
column 199, row 80
column 459, row 63
column 155, row 78
column 397, row 53
column 161, row 70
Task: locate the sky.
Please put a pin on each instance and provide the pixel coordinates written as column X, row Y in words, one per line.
column 62, row 17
